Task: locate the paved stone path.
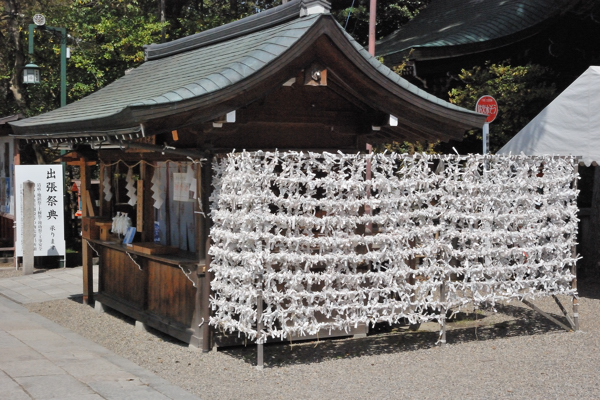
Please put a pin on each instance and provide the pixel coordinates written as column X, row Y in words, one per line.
column 42, row 360
column 55, row 284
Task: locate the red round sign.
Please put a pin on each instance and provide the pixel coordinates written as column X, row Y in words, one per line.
column 487, row 105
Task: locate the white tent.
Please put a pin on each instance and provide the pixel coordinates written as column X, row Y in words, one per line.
column 570, row 125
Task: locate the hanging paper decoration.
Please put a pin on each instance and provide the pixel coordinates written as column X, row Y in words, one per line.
column 131, row 188
column 157, row 193
column 289, row 227
column 121, row 223
column 106, row 183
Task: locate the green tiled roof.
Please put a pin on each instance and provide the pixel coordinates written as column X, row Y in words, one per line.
column 181, row 74
column 456, row 23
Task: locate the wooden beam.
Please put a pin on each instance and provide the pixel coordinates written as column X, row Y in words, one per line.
column 205, row 198
column 550, row 317
column 340, row 91
column 86, row 253
column 139, row 225
column 78, row 163
column 146, row 202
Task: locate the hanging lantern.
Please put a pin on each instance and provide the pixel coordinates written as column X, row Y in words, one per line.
column 31, row 74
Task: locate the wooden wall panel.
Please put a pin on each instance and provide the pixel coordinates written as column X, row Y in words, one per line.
column 122, row 278
column 170, row 293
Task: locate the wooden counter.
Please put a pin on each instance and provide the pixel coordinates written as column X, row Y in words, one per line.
column 158, row 290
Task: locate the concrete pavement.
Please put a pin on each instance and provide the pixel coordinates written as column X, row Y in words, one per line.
column 42, row 360
column 53, row 284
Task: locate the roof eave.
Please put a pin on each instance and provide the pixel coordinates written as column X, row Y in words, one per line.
column 425, row 52
column 208, row 106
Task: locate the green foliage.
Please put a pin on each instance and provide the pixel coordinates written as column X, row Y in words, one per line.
column 106, row 38
column 391, row 15
column 189, row 17
column 407, row 147
column 521, row 91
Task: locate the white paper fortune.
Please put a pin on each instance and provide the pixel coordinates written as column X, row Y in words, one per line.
column 291, row 227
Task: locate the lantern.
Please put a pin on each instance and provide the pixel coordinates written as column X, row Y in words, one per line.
column 31, row 74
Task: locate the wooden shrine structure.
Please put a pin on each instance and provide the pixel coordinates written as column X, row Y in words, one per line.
column 287, row 78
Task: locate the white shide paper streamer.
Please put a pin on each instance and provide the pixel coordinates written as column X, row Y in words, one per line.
column 131, row 189
column 157, row 193
column 106, row 183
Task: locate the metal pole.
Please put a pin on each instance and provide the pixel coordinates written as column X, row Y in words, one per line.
column 486, row 133
column 259, row 328
column 162, row 20
column 372, row 23
column 443, row 310
column 206, row 173
column 63, row 58
column 31, row 28
column 63, row 66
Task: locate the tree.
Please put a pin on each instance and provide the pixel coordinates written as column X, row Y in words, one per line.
column 106, row 38
column 391, row 15
column 12, row 57
column 521, row 91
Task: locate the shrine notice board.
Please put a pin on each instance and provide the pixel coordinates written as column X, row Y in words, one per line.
column 49, row 222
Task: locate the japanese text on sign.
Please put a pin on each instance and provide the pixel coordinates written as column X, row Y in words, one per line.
column 48, row 225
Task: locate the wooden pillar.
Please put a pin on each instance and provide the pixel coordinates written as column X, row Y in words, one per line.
column 86, row 251
column 205, row 195
column 147, row 204
column 16, row 161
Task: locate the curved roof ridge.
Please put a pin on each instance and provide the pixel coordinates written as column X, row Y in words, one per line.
column 262, row 20
column 279, row 40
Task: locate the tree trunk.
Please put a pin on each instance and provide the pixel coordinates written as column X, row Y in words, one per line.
column 233, row 7
column 14, row 37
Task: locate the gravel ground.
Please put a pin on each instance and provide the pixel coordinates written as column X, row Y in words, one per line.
column 514, row 353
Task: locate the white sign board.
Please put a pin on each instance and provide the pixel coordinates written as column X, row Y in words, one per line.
column 49, row 222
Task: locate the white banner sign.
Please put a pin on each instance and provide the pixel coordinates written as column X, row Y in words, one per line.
column 48, row 233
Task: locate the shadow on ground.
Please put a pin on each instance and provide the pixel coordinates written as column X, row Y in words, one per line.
column 131, row 321
column 468, row 327
column 522, row 322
